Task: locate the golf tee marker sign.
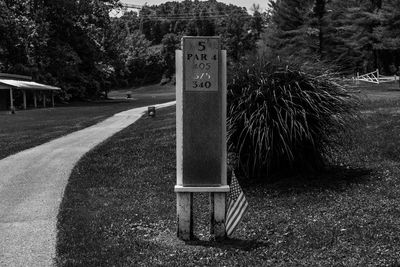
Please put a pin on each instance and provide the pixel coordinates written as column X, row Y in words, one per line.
column 201, row 130
column 201, row 113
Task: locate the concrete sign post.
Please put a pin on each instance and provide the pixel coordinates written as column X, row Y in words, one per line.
column 201, row 130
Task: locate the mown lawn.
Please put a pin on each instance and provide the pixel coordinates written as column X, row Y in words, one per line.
column 119, row 205
column 30, row 128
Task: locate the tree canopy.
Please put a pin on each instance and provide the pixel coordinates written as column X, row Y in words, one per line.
column 351, row 35
column 59, row 42
column 78, row 46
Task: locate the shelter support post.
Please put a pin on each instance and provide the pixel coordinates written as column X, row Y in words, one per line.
column 11, row 100
column 24, row 98
column 34, row 99
column 185, row 215
column 52, row 99
column 44, row 99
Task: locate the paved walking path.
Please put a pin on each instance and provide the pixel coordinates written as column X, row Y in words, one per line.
column 32, row 184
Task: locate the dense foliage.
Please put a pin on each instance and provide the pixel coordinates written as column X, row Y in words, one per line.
column 238, row 29
column 58, row 42
column 280, row 118
column 77, row 45
column 351, row 35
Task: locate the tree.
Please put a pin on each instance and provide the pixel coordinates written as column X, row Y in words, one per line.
column 170, row 43
column 238, row 29
column 257, row 21
column 18, row 33
column 77, row 46
column 339, row 44
column 59, row 42
column 319, row 11
column 388, row 37
column 235, row 37
column 347, row 35
column 289, row 28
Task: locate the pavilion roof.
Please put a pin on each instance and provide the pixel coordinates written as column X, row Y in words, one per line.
column 6, row 83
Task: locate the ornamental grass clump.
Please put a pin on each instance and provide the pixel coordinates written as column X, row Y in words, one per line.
column 283, row 119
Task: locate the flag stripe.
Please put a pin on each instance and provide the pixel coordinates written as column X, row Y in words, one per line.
column 232, row 227
column 234, row 204
column 237, row 219
column 233, row 207
column 234, row 214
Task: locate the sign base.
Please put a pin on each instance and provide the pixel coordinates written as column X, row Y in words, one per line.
column 184, row 208
column 217, row 218
column 184, row 211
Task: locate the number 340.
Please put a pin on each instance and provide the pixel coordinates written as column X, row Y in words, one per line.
column 197, row 84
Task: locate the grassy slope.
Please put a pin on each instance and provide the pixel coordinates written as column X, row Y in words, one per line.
column 119, row 197
column 30, row 128
column 119, row 206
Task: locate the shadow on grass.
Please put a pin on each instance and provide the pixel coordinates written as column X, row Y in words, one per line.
column 244, row 245
column 335, row 178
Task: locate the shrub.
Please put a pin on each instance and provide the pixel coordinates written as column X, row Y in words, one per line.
column 281, row 118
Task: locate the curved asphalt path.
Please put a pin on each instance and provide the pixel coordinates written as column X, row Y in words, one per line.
column 32, row 184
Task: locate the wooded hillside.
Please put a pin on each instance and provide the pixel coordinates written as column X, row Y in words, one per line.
column 78, row 46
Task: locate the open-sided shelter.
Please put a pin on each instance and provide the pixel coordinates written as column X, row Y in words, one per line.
column 9, row 83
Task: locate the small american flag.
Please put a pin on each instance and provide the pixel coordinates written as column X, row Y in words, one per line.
column 237, row 205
